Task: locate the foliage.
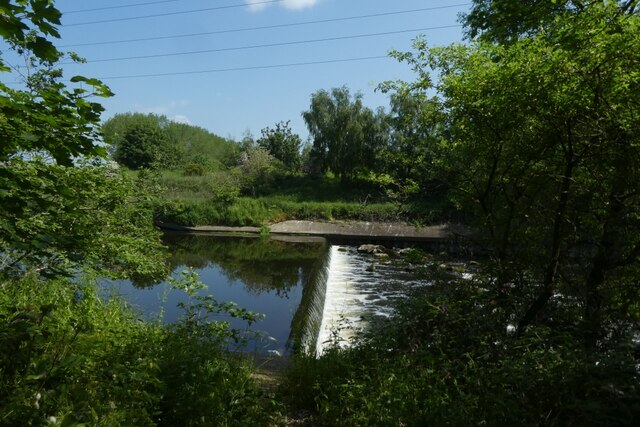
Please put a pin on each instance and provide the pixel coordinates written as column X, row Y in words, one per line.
column 505, row 21
column 104, row 223
column 282, row 144
column 201, row 386
column 202, row 147
column 145, row 146
column 45, row 116
column 539, row 135
column 346, row 134
column 250, row 211
column 177, row 145
column 258, row 169
column 214, row 199
column 42, row 119
column 447, row 358
column 544, row 143
column 69, row 358
column 411, row 163
column 116, row 127
column 195, row 169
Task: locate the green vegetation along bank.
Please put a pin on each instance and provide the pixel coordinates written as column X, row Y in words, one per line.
column 529, row 132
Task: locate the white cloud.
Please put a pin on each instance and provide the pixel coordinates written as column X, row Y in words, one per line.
column 299, row 4
column 258, row 5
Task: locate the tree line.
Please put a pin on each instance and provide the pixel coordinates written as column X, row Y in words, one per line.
column 531, row 128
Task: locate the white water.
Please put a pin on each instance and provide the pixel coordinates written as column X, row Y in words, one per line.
column 355, row 291
column 340, row 297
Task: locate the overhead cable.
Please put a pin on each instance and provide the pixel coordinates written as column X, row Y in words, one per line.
column 69, row 12
column 266, row 27
column 260, row 46
column 181, row 12
column 257, row 67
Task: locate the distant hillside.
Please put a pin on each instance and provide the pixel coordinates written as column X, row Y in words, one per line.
column 138, row 139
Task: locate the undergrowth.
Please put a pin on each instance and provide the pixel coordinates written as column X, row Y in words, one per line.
column 447, row 358
column 68, row 357
column 224, row 198
column 247, row 211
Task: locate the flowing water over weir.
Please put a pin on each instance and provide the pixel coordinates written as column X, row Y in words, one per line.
column 357, row 288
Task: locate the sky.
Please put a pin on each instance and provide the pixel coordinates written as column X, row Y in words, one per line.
column 238, row 66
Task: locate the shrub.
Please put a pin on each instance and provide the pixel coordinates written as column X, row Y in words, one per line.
column 69, row 357
column 446, row 358
column 195, row 169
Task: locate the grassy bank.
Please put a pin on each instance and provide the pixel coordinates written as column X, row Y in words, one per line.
column 217, row 199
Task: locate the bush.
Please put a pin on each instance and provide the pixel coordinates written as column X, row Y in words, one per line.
column 144, row 146
column 68, row 357
column 446, row 358
column 195, row 169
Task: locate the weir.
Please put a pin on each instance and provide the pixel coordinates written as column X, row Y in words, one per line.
column 305, row 325
column 357, row 289
column 326, row 301
column 337, row 314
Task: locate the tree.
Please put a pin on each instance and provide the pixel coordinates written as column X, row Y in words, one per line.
column 144, row 146
column 346, row 134
column 196, row 145
column 101, row 221
column 282, row 144
column 114, row 129
column 543, row 138
column 45, row 116
column 142, row 141
column 411, row 155
column 180, row 145
column 258, row 169
column 505, row 21
column 56, row 202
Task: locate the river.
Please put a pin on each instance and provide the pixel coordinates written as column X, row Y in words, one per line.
column 312, row 293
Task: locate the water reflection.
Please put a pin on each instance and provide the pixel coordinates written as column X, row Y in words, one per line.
column 262, row 265
column 261, row 275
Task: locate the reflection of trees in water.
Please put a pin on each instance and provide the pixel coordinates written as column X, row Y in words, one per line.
column 261, row 264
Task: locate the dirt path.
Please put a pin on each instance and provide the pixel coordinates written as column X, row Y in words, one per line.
column 268, row 373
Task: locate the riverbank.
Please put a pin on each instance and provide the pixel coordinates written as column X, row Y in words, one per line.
column 352, row 230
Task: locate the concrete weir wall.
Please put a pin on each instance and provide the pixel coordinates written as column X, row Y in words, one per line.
column 346, row 230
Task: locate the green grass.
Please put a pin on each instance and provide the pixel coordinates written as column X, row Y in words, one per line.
column 247, row 211
column 212, row 199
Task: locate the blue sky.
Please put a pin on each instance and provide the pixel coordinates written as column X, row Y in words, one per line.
column 230, row 103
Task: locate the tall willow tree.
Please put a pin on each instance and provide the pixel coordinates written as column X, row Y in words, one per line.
column 545, row 142
column 346, row 135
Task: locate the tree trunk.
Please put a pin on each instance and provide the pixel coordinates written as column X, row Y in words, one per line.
column 551, row 270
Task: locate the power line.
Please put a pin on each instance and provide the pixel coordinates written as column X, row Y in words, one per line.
column 265, row 27
column 118, row 7
column 182, row 12
column 257, row 67
column 260, row 46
